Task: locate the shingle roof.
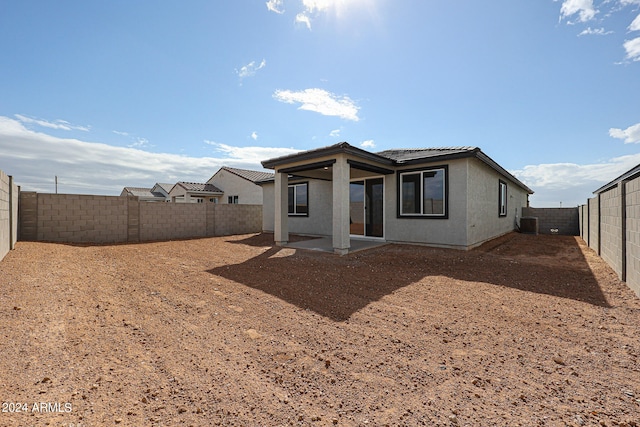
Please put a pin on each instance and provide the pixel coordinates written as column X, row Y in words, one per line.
column 198, row 186
column 408, row 154
column 250, row 175
column 141, row 192
column 164, row 186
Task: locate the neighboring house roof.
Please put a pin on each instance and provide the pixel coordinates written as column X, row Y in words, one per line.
column 249, row 175
column 142, row 192
column 199, row 187
column 628, row 175
column 397, row 157
column 166, row 187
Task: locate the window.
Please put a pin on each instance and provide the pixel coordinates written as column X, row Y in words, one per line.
column 232, row 200
column 423, row 193
column 299, row 199
column 502, row 198
column 199, row 200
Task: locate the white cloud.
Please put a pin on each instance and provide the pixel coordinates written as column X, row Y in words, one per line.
column 276, row 6
column 334, row 133
column 251, row 69
column 320, row 101
column 571, row 183
column 251, row 154
column 58, row 124
column 583, row 8
column 594, row 31
column 34, row 158
column 303, row 19
column 254, row 136
column 369, row 143
column 635, row 24
column 630, row 135
column 632, row 47
column 140, row 143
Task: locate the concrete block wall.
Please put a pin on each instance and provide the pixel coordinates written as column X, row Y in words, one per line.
column 594, row 224
column 565, row 220
column 8, row 214
column 611, row 228
column 80, row 218
column 633, row 234
column 167, row 221
column 73, row 218
column 235, row 219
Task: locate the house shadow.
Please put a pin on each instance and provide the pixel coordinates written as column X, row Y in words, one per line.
column 336, row 287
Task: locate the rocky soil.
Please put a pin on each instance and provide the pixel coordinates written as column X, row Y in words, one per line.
column 524, row 331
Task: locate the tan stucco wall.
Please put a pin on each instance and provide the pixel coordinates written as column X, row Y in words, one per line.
column 484, row 222
column 318, row 223
column 232, row 185
column 449, row 232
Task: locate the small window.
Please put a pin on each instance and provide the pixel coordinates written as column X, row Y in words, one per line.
column 423, row 193
column 298, row 199
column 502, row 198
column 199, row 200
column 232, row 200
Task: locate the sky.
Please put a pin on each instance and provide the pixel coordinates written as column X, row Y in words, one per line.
column 105, row 95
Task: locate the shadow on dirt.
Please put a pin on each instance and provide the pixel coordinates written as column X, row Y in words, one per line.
column 337, row 287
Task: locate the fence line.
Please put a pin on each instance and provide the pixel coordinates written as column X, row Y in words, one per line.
column 610, row 225
column 76, row 218
column 8, row 214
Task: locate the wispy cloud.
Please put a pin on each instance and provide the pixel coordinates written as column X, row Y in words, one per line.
column 632, row 47
column 250, row 69
column 630, row 135
column 334, row 133
column 57, row 124
column 250, row 154
column 594, row 32
column 571, row 183
column 34, row 158
column 576, row 12
column 320, row 101
column 635, row 24
column 276, row 6
column 584, row 10
column 254, row 136
column 369, row 143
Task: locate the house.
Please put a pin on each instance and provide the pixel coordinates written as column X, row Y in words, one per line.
column 195, row 192
column 163, row 189
column 144, row 194
column 454, row 197
column 240, row 185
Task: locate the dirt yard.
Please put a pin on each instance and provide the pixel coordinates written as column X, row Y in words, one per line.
column 526, row 330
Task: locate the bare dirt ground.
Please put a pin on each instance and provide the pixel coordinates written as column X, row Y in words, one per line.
column 526, row 330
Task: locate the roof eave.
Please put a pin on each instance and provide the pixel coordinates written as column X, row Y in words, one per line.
column 341, row 148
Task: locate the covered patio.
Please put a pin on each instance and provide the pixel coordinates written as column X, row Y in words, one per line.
column 339, row 164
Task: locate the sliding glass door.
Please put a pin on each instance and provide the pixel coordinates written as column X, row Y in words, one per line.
column 366, row 207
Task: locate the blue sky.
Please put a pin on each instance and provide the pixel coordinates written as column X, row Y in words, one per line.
column 112, row 94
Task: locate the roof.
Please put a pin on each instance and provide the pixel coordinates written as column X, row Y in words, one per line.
column 398, row 157
column 250, row 175
column 199, row 187
column 408, row 154
column 630, row 174
column 142, row 192
column 164, row 186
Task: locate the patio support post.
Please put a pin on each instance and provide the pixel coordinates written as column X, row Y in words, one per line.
column 341, row 174
column 281, row 226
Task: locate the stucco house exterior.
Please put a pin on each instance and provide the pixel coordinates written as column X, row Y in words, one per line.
column 454, row 197
column 239, row 185
column 195, row 192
